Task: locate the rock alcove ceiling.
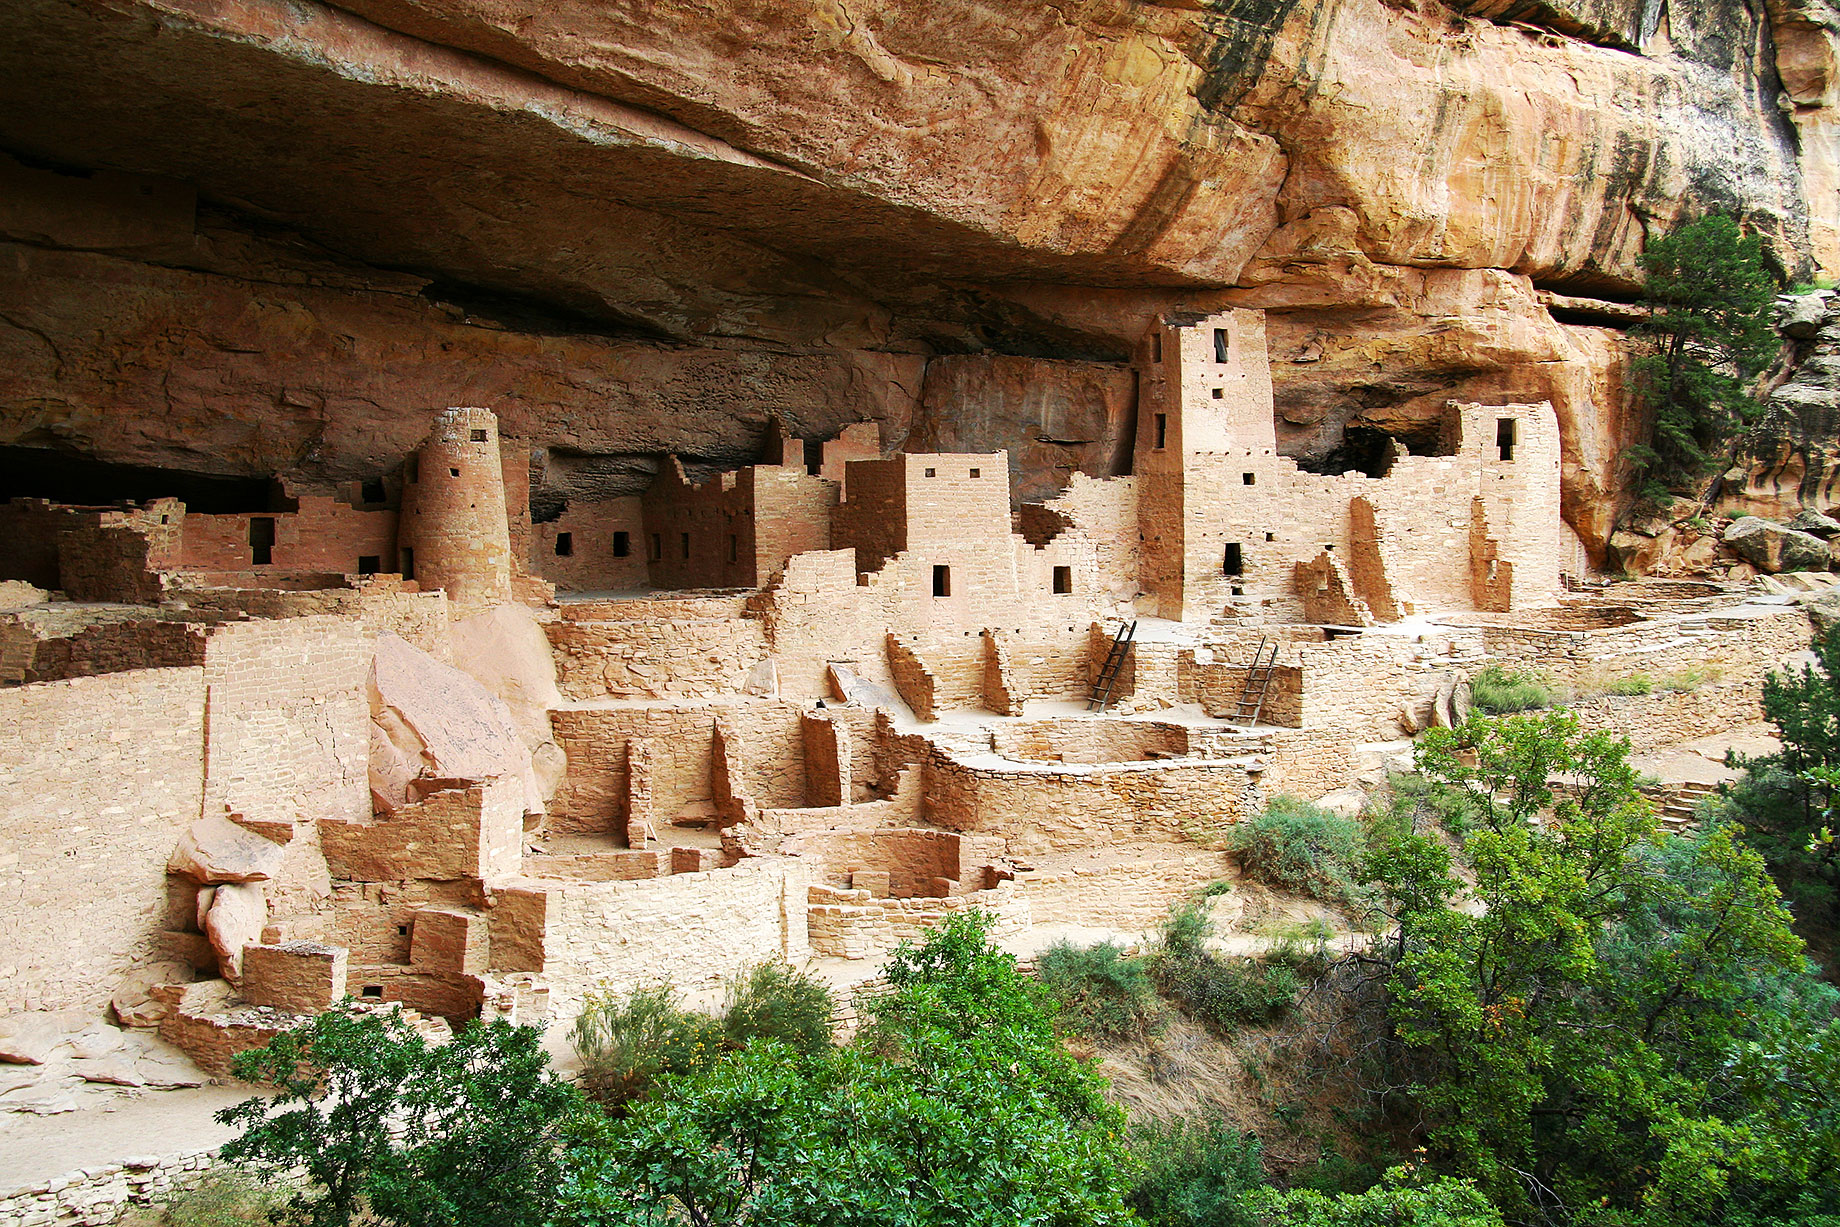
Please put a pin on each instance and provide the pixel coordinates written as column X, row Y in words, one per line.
column 256, row 238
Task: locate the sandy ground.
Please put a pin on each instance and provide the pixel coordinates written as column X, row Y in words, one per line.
column 159, row 1123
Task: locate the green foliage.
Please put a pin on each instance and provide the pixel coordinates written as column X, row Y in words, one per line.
column 1397, row 1201
column 1500, row 691
column 626, row 1043
column 1102, row 991
column 1190, row 1174
column 1224, row 993
column 1304, row 848
column 957, row 1106
column 1579, row 1035
column 394, row 1130
column 1630, row 684
column 226, row 1197
column 1710, row 292
column 774, row 1001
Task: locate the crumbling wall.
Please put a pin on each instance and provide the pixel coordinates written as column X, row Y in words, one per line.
column 98, row 778
column 323, row 535
column 1089, row 740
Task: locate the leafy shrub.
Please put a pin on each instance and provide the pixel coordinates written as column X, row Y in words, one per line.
column 774, row 1001
column 1102, row 991
column 1193, row 1175
column 1397, row 1201
column 1500, row 691
column 1691, row 678
column 1222, row 992
column 1300, row 847
column 627, row 1043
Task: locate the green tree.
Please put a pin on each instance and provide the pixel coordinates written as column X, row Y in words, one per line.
column 1710, row 290
column 1399, row 1200
column 958, row 1105
column 1576, row 1027
column 391, row 1128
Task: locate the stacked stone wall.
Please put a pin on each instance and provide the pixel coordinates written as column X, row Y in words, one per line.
column 323, row 535
column 1072, row 739
column 591, row 565
column 99, row 776
column 102, row 1193
column 694, row 658
column 1131, row 892
column 853, row 924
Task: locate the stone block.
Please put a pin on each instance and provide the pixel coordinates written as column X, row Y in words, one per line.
column 875, row 881
column 444, row 939
column 298, row 977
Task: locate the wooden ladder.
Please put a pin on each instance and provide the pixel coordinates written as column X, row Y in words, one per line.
column 1114, row 661
column 1258, row 681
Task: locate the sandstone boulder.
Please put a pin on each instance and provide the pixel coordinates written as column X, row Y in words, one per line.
column 238, row 912
column 506, row 651
column 215, row 849
column 431, row 720
column 1801, row 315
column 133, row 1000
column 16, row 594
column 32, row 1037
column 1772, row 547
column 1824, row 611
column 1810, row 521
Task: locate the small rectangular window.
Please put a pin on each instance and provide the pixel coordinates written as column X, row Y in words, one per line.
column 977, row 472
column 372, row 991
column 1238, row 591
column 408, row 563
column 1248, row 479
column 1271, row 536
column 813, row 450
column 479, row 436
column 657, row 547
column 622, row 545
column 1063, row 580
column 372, row 492
column 1504, row 437
column 261, row 541
column 1219, row 393
column 370, row 564
column 453, row 472
column 1162, row 431
column 565, row 545
column 932, row 472
column 734, row 548
column 942, row 581
column 1231, row 563
column 683, row 544
column 1220, row 344
column 1156, row 347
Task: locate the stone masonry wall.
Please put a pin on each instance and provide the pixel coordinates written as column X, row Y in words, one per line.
column 98, row 1195
column 98, row 778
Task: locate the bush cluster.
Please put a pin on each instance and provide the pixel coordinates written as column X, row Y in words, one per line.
column 1224, row 993
column 626, row 1043
column 1304, row 848
column 1102, row 991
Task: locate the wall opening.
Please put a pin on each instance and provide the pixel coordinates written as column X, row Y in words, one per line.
column 734, row 548
column 657, row 547
column 408, row 562
column 813, row 450
column 1162, row 431
column 1156, row 347
column 932, row 472
column 1231, row 563
column 479, row 436
column 1063, row 580
column 372, row 491
column 977, row 472
column 1504, row 437
column 1248, row 479
column 1220, row 345
column 261, row 540
column 374, row 991
column 565, row 545
column 412, row 469
column 41, row 472
column 942, row 581
column 370, row 564
column 683, row 544
column 622, row 544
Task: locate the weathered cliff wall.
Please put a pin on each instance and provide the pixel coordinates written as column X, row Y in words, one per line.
column 636, row 227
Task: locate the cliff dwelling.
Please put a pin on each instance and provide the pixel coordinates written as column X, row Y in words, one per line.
column 407, row 742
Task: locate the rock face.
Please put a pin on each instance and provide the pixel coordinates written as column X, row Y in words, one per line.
column 637, row 228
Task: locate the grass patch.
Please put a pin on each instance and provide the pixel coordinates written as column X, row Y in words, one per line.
column 1692, row 678
column 1302, row 848
column 224, row 1198
column 1499, row 691
column 1103, row 992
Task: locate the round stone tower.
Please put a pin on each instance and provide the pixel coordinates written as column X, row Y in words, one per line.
column 454, row 532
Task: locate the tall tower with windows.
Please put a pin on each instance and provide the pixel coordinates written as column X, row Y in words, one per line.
column 454, row 532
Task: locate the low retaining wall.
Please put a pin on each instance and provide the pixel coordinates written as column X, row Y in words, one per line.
column 93, row 1196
